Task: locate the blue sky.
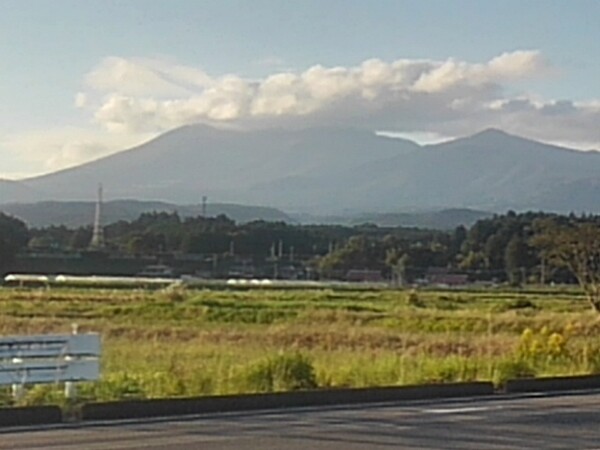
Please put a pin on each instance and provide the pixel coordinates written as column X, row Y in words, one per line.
column 81, row 79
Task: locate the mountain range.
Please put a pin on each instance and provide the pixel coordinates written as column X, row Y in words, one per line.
column 76, row 214
column 332, row 171
column 79, row 213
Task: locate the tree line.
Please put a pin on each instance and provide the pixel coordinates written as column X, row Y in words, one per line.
column 517, row 248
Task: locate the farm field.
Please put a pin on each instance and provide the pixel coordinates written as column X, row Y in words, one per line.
column 189, row 342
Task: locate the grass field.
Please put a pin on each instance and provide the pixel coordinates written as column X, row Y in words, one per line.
column 178, row 342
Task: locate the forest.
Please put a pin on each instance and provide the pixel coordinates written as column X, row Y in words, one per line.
column 512, row 247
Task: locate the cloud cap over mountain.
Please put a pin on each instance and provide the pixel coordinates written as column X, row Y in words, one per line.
column 451, row 97
column 131, row 100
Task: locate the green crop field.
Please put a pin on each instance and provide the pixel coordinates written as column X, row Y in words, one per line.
column 178, row 342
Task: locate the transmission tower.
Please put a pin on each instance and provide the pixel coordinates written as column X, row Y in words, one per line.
column 98, row 234
column 204, row 205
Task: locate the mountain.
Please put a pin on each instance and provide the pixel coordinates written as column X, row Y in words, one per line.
column 183, row 165
column 445, row 219
column 10, row 190
column 491, row 170
column 76, row 214
column 334, row 171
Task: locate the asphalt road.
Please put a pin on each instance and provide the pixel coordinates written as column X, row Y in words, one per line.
column 534, row 422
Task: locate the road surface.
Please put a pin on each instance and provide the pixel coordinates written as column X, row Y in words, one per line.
column 526, row 422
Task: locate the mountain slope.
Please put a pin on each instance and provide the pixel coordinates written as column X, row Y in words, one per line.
column 187, row 163
column 333, row 171
column 10, row 190
column 491, row 170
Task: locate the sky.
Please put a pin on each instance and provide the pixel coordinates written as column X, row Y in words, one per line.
column 83, row 79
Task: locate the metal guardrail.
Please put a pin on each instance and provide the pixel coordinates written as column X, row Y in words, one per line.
column 49, row 359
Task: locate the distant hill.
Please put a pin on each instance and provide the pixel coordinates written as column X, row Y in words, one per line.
column 328, row 171
column 75, row 214
column 446, row 219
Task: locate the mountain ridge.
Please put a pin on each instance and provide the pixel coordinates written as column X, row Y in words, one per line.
column 329, row 170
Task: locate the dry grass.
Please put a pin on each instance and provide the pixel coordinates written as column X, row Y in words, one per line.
column 207, row 342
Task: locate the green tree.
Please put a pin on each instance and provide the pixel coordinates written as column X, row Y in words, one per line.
column 360, row 252
column 13, row 236
column 575, row 246
column 80, row 238
column 516, row 259
column 398, row 263
column 147, row 242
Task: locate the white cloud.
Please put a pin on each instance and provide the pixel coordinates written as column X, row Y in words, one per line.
column 133, row 99
column 432, row 96
column 423, row 138
column 140, row 76
column 81, row 100
column 50, row 150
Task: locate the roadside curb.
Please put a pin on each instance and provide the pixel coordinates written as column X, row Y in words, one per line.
column 197, row 406
column 550, row 384
column 35, row 415
column 253, row 402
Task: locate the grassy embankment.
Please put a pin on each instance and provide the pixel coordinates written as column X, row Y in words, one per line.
column 201, row 342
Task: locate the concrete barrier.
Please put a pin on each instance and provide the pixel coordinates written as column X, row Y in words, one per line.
column 549, row 384
column 37, row 415
column 252, row 402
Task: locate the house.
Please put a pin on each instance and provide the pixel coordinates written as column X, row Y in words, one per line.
column 443, row 277
column 364, row 276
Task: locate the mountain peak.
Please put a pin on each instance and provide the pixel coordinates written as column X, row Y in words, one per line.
column 496, row 137
column 492, row 133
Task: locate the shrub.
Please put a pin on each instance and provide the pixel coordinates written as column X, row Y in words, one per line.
column 510, row 369
column 521, row 303
column 43, row 394
column 591, row 358
column 543, row 346
column 284, row 372
column 115, row 386
column 452, row 369
column 414, row 299
column 174, row 293
column 6, row 398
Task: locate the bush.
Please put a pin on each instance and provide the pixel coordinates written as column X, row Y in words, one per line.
column 284, row 372
column 174, row 293
column 544, row 345
column 448, row 370
column 521, row 303
column 115, row 386
column 507, row 370
column 415, row 300
column 43, row 394
column 591, row 358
